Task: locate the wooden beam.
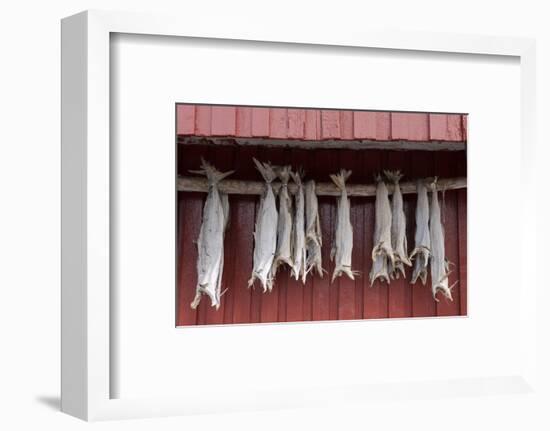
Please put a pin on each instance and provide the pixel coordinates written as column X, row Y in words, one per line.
column 363, row 144
column 239, row 187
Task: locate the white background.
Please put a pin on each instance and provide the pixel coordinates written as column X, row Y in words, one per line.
column 29, row 220
column 193, row 359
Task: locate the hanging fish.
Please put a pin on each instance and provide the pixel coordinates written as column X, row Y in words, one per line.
column 211, row 237
column 382, row 252
column 283, row 252
column 422, row 244
column 343, row 240
column 265, row 232
column 299, row 234
column 314, row 239
column 439, row 263
column 398, row 227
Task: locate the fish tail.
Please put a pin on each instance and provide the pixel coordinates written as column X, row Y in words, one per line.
column 298, row 175
column 433, row 185
column 340, row 179
column 393, row 176
column 214, row 176
column 284, row 172
column 266, row 169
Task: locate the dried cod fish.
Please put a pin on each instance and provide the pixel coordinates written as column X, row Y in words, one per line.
column 211, row 236
column 283, row 252
column 398, row 227
column 382, row 252
column 422, row 243
column 314, row 239
column 343, row 241
column 439, row 263
column 298, row 232
column 265, row 231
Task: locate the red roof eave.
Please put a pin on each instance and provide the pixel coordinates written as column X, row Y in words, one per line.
column 318, row 124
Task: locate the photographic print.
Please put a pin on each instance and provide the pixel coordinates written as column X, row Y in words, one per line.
column 300, row 214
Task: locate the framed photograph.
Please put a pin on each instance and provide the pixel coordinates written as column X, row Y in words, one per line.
column 258, row 219
column 339, row 214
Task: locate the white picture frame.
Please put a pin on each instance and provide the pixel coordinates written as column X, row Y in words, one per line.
column 86, row 312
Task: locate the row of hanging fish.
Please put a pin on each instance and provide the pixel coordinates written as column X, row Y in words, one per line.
column 289, row 234
column 390, row 255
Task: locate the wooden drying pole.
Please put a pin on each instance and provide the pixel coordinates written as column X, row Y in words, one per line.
column 239, row 187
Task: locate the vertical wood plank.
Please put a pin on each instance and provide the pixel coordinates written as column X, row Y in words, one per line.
column 295, row 288
column 312, row 129
column 244, row 121
column 372, row 125
column 283, row 276
column 463, row 250
column 334, row 289
column 409, row 126
column 303, row 158
column 321, row 286
column 438, row 127
column 399, row 125
column 278, row 123
column 230, row 260
column 205, row 307
column 375, row 297
column 185, row 119
column 242, row 228
column 423, row 305
column 346, row 124
column 364, row 125
column 462, row 221
column 383, row 126
column 190, row 215
column 409, row 201
column 191, row 206
column 296, row 123
column 223, row 159
column 224, row 121
column 445, row 165
column 446, row 127
column 269, row 307
column 346, row 286
column 257, row 294
column 400, row 295
column 260, row 122
column 358, row 216
column 203, row 116
column 418, row 127
column 330, row 124
column 454, row 128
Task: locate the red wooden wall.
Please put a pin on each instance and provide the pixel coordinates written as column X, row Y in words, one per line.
column 318, row 124
column 318, row 299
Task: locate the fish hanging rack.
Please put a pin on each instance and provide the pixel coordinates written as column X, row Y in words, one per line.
column 242, row 187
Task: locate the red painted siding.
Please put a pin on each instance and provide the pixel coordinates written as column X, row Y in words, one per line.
column 315, row 124
column 318, row 299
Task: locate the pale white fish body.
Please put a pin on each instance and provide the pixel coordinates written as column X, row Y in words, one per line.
column 422, row 243
column 343, row 240
column 314, row 239
column 398, row 227
column 382, row 252
column 283, row 251
column 211, row 238
column 265, row 232
column 298, row 231
column 439, row 265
